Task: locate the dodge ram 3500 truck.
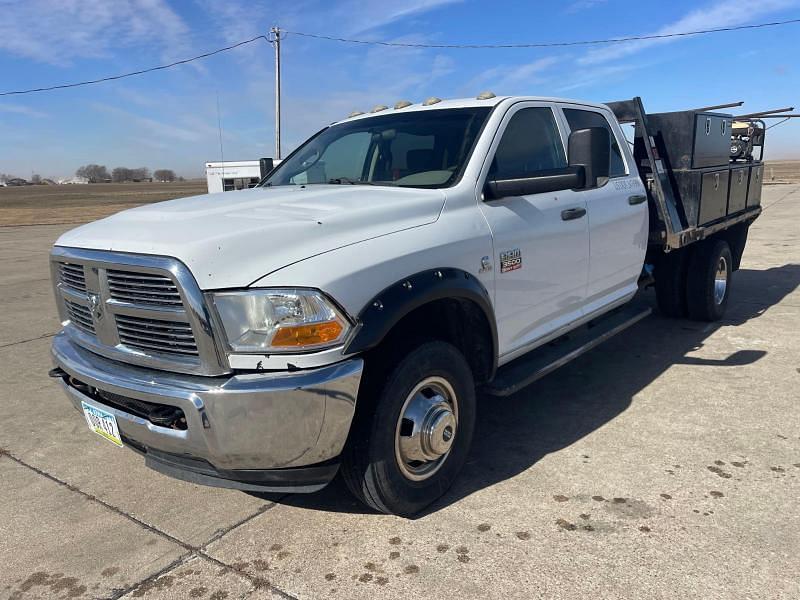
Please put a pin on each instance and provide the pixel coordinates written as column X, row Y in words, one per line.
column 340, row 316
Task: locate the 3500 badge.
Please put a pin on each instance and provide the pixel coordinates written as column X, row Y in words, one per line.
column 510, row 260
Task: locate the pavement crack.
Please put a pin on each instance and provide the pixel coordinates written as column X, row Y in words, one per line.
column 226, row 530
column 150, row 578
column 41, row 337
column 199, row 551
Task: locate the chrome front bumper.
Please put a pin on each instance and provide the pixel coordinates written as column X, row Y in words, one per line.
column 259, row 431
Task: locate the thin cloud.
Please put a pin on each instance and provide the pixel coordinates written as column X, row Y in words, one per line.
column 20, row 109
column 582, row 5
column 507, row 79
column 720, row 14
column 59, row 33
column 157, row 129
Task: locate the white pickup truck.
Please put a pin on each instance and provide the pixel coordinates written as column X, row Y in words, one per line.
column 340, row 316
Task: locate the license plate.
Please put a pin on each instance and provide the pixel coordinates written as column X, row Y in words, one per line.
column 103, row 423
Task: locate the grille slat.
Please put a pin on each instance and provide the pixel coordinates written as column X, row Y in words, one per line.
column 153, row 334
column 158, row 342
column 138, row 322
column 72, row 276
column 136, row 276
column 80, row 316
column 143, row 288
column 128, row 330
column 163, row 300
column 126, row 285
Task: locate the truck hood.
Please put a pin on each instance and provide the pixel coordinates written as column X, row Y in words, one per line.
column 231, row 239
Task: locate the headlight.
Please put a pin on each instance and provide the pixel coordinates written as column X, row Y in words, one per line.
column 279, row 320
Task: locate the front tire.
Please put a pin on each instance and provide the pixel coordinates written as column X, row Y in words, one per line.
column 708, row 284
column 412, row 431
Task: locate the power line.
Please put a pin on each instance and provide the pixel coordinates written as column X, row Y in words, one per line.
column 133, row 73
column 544, row 44
column 401, row 45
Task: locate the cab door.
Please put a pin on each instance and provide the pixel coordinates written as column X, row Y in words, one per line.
column 540, row 241
column 617, row 216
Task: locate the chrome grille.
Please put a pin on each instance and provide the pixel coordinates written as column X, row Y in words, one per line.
column 140, row 309
column 72, row 276
column 142, row 288
column 155, row 335
column 81, row 316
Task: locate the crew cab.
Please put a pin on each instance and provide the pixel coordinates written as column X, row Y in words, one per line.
column 342, row 316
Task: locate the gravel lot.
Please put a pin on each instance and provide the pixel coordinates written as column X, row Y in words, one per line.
column 665, row 464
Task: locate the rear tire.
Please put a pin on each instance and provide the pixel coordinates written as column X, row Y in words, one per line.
column 412, row 430
column 708, row 283
column 670, row 284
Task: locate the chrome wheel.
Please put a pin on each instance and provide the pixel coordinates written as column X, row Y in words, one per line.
column 426, row 428
column 721, row 280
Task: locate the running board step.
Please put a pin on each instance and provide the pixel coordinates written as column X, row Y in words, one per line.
column 534, row 365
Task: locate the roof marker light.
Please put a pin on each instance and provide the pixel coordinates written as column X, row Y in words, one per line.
column 486, row 95
column 431, row 101
column 402, row 104
column 379, row 108
column 355, row 113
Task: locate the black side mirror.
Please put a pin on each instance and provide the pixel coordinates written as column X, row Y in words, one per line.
column 590, row 148
column 265, row 166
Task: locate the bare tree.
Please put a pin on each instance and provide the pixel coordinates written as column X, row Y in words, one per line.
column 141, row 174
column 164, row 175
column 121, row 174
column 36, row 179
column 93, row 173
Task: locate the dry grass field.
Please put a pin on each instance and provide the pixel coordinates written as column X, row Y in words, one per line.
column 782, row 171
column 67, row 204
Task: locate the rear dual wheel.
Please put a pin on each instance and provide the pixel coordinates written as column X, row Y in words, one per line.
column 695, row 281
column 708, row 282
column 412, row 430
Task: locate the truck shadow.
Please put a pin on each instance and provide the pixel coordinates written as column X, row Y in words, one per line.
column 514, row 433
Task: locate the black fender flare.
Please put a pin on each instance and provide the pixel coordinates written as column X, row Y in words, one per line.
column 388, row 307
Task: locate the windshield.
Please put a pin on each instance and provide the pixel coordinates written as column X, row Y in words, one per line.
column 426, row 149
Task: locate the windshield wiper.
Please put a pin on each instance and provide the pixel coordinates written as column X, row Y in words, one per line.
column 347, row 180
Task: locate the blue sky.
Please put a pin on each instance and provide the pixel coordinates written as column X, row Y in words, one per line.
column 169, row 119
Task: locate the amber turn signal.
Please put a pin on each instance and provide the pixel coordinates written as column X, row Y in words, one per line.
column 307, row 335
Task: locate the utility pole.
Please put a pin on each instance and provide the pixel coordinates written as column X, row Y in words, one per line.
column 276, row 42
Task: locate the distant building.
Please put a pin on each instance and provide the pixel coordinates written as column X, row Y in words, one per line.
column 17, row 181
column 73, row 180
column 227, row 176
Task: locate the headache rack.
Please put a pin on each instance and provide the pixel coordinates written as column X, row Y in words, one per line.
column 699, row 168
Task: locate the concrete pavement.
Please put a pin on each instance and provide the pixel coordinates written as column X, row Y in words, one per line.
column 666, row 463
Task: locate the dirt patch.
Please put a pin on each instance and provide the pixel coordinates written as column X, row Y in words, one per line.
column 56, row 204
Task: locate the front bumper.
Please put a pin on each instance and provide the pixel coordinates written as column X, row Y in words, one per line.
column 262, row 431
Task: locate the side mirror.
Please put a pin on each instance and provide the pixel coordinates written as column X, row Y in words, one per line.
column 265, row 166
column 568, row 178
column 590, row 149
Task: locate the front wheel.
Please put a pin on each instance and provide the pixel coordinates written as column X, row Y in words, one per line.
column 412, row 431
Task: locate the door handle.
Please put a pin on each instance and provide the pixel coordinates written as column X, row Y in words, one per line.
column 572, row 213
column 637, row 199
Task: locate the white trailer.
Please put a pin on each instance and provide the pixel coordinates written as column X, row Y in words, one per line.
column 226, row 176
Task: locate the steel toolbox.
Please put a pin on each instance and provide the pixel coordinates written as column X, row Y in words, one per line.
column 737, row 197
column 703, row 193
column 754, row 187
column 694, row 140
